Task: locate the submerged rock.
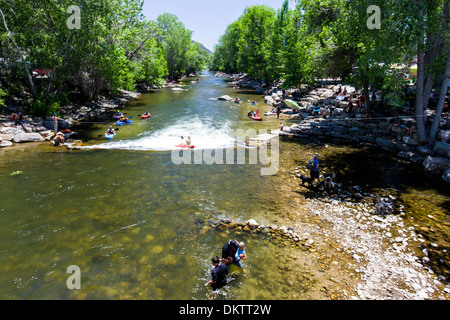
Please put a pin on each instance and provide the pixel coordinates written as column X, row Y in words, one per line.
column 384, row 207
column 225, row 97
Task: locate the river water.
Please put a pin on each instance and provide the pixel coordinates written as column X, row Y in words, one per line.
column 136, row 223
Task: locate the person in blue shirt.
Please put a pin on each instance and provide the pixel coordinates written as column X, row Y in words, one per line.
column 240, row 254
column 315, row 169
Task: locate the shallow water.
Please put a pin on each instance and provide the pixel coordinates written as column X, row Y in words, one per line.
column 138, row 225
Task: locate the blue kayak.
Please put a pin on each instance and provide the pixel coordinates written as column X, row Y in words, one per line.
column 124, row 122
column 109, row 135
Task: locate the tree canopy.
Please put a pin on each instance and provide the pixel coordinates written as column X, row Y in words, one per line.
column 370, row 44
column 115, row 47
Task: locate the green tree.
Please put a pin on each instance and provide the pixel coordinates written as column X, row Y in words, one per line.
column 176, row 43
column 226, row 51
column 254, row 44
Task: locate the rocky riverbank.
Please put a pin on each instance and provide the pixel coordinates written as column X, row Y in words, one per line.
column 393, row 133
column 36, row 129
column 368, row 245
column 364, row 253
column 324, row 112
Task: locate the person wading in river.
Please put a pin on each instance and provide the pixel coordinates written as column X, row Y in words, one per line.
column 229, row 252
column 218, row 274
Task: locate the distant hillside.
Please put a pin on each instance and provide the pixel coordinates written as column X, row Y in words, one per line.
column 203, row 47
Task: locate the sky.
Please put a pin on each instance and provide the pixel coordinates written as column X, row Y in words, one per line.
column 208, row 19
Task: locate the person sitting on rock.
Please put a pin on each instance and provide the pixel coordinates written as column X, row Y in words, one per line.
column 349, row 107
column 13, row 117
column 59, row 139
column 19, row 119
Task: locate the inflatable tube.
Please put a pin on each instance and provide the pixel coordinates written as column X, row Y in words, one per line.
column 146, row 116
column 109, row 135
column 183, row 145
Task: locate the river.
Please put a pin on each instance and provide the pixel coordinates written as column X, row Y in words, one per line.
column 136, row 223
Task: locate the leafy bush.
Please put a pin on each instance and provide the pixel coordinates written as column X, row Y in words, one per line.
column 45, row 105
column 3, row 93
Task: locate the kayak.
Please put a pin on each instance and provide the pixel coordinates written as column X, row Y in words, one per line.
column 109, row 135
column 183, row 145
column 123, row 122
column 256, row 118
column 118, row 116
column 146, row 116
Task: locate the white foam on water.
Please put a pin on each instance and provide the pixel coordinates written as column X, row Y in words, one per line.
column 204, row 135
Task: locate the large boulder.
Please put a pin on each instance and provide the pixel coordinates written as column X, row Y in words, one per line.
column 12, row 130
column 410, row 141
column 411, row 156
column 436, row 165
column 425, row 151
column 27, row 137
column 62, row 124
column 444, row 136
column 4, row 144
column 386, row 144
column 269, row 100
column 446, row 175
column 442, row 148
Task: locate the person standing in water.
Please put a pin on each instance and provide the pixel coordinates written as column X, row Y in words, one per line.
column 315, row 169
column 240, row 254
column 229, row 252
column 55, row 122
column 218, row 274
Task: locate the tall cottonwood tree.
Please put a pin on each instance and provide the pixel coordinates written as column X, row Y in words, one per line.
column 116, row 47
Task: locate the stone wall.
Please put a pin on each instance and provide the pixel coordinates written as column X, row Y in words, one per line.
column 387, row 132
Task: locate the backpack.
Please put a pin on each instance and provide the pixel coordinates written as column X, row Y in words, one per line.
column 310, row 164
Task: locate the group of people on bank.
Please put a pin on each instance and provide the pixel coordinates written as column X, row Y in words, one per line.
column 233, row 252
